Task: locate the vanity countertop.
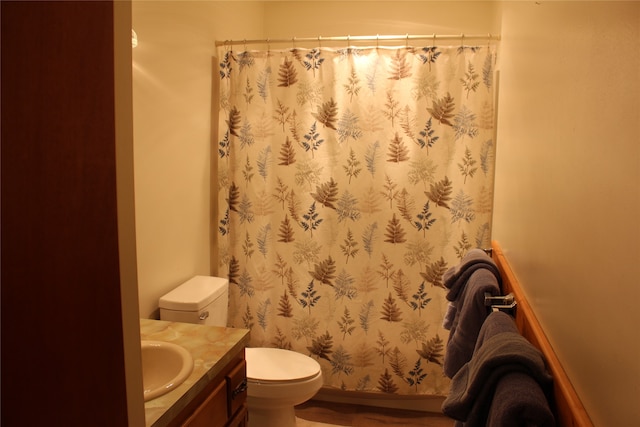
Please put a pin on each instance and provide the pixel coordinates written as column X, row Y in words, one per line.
column 212, row 348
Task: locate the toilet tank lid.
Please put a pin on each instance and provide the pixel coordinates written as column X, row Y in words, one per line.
column 195, row 293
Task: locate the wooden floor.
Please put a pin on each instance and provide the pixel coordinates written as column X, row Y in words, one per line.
column 366, row 416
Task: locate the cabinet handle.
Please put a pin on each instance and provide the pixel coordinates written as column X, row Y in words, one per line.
column 241, row 388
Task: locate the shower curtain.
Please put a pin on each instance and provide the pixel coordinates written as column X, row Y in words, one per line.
column 348, row 181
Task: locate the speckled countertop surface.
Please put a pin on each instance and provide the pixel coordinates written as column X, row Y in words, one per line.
column 212, row 347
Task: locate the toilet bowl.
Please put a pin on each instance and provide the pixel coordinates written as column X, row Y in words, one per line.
column 277, row 379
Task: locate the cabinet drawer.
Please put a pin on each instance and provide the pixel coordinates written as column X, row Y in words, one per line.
column 212, row 412
column 237, row 387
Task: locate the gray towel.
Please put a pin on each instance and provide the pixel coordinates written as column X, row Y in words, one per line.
column 470, row 316
column 519, row 401
column 449, row 316
column 500, row 351
column 455, row 278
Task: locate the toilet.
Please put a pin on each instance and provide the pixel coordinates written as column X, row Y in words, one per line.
column 277, row 379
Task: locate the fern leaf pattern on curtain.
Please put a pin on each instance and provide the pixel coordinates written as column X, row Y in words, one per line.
column 349, row 180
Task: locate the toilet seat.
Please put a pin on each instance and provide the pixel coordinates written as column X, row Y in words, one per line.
column 275, row 365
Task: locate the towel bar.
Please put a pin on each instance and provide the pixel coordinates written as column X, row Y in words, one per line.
column 506, row 303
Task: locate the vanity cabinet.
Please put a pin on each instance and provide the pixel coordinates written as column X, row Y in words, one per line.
column 222, row 403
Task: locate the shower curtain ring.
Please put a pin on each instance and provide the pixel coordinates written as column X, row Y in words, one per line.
column 293, row 42
column 319, row 42
column 407, row 42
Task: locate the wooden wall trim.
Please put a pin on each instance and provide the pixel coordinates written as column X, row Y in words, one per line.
column 568, row 408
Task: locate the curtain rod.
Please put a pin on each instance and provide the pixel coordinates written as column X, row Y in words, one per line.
column 375, row 38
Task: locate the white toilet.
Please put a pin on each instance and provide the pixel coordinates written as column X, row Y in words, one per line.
column 277, row 379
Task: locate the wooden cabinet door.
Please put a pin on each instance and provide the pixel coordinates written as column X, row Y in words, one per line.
column 237, row 387
column 241, row 419
column 213, row 411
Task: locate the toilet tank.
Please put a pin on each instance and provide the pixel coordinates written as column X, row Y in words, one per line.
column 201, row 299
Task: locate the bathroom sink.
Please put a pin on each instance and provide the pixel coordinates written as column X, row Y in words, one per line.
column 164, row 367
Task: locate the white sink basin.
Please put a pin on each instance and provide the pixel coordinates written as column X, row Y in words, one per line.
column 164, row 367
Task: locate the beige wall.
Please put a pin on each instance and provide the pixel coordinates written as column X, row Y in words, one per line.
column 126, row 211
column 567, row 199
column 172, row 70
column 342, row 18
